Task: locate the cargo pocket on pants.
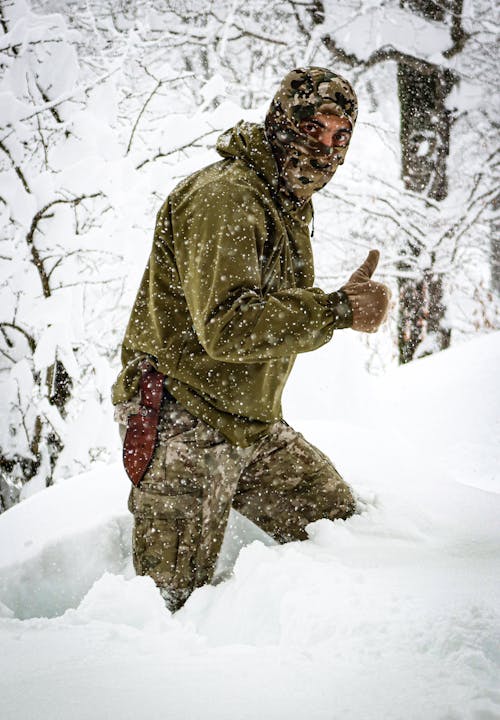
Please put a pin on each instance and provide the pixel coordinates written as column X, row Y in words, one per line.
column 166, row 536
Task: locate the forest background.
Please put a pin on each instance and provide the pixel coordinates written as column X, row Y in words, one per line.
column 105, row 106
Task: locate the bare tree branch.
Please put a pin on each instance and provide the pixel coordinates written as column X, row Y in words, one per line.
column 16, row 167
column 35, row 254
column 158, row 85
column 382, row 54
column 14, row 326
column 458, row 34
column 160, row 154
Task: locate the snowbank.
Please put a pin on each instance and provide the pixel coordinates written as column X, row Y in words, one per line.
column 391, row 614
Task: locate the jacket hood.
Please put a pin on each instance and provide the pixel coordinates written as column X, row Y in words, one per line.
column 248, row 142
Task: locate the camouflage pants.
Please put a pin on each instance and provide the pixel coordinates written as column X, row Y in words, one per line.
column 182, row 505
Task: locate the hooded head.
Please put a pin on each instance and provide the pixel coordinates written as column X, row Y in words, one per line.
column 304, row 163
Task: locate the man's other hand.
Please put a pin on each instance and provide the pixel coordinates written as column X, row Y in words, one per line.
column 369, row 299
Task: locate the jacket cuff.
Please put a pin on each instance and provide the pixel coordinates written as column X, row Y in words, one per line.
column 342, row 311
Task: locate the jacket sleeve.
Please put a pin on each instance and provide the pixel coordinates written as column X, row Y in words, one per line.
column 219, row 241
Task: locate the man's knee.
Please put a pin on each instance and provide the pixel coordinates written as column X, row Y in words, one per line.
column 331, row 490
column 343, row 503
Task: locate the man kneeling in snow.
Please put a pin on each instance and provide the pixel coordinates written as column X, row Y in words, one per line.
column 226, row 303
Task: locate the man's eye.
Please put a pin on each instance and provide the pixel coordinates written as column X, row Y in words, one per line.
column 309, row 127
column 342, row 137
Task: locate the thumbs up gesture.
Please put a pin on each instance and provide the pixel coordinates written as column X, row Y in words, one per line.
column 369, row 299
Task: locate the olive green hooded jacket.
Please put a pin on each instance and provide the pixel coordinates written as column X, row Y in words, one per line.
column 227, row 299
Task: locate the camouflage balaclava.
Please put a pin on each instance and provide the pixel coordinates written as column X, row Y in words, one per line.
column 305, row 164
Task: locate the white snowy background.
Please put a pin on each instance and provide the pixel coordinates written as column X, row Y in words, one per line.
column 393, row 614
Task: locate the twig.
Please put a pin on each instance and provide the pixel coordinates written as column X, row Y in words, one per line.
column 158, row 85
column 18, row 170
column 160, row 154
column 35, row 254
column 29, row 338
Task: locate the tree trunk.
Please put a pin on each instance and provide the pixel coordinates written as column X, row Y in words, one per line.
column 495, row 248
column 424, row 134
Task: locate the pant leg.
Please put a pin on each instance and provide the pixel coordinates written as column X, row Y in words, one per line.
column 290, row 483
column 182, row 504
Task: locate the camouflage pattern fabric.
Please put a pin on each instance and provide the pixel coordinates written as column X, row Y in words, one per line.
column 305, row 164
column 181, row 507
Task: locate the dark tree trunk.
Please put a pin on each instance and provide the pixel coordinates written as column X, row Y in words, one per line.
column 59, row 385
column 495, row 248
column 425, row 132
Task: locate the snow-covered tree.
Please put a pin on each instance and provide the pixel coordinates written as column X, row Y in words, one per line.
column 106, row 106
column 51, row 204
column 444, row 56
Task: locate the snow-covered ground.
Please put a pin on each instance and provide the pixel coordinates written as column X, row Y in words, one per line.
column 391, row 615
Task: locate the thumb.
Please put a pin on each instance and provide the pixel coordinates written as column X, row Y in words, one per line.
column 366, row 270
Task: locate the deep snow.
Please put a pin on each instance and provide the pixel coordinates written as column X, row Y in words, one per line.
column 392, row 614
